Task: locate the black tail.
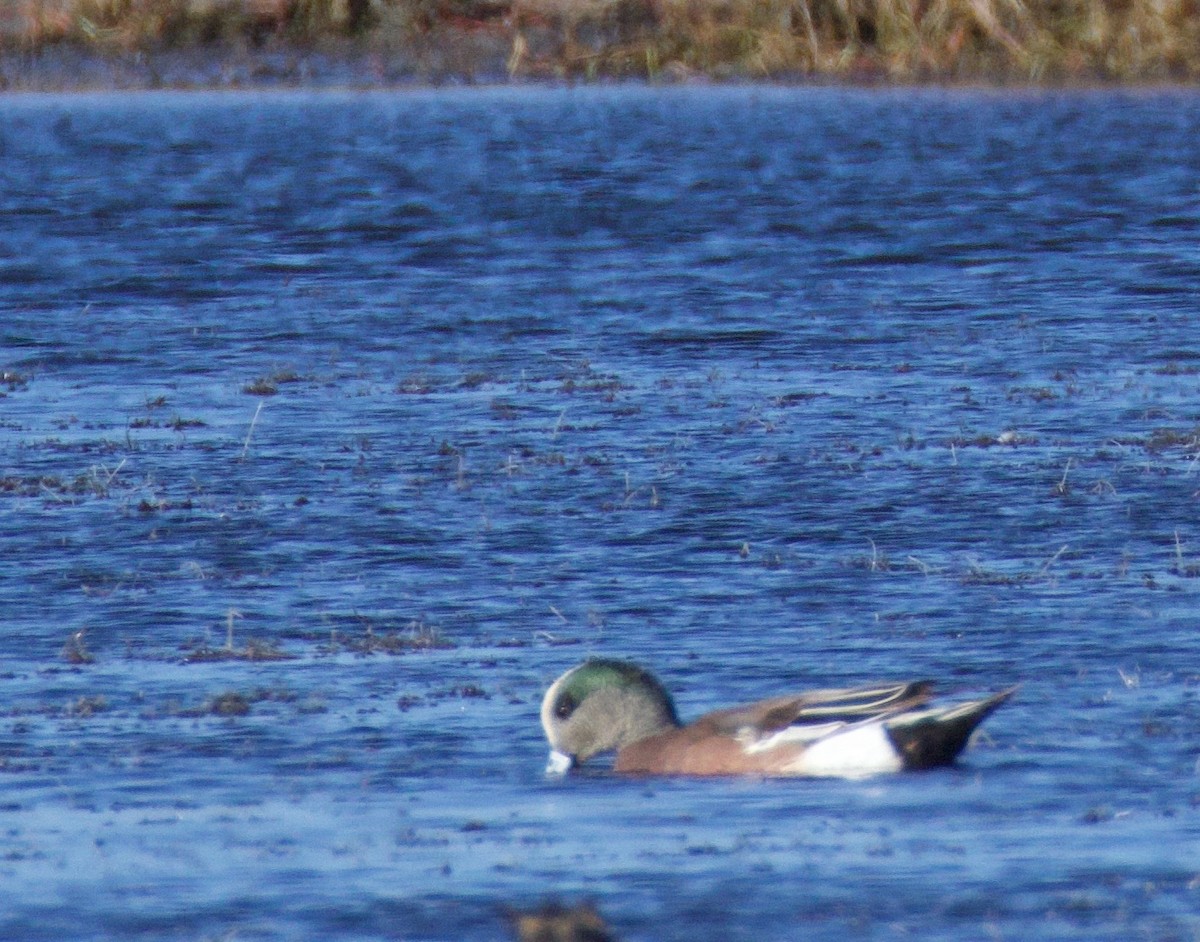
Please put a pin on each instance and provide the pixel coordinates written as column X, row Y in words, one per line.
column 936, row 737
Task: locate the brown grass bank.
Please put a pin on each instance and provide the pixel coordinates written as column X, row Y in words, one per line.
column 1004, row 41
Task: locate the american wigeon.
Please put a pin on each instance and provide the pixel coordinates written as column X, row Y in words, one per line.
column 604, row 705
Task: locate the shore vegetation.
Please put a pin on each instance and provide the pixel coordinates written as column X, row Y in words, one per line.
column 999, row 41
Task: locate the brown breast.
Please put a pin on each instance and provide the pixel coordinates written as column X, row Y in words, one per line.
column 700, row 750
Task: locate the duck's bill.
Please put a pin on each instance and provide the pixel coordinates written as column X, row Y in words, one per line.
column 559, row 763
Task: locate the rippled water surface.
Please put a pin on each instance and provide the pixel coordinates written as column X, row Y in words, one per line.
column 340, row 425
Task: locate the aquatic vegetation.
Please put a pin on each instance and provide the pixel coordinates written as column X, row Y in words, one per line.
column 11, row 380
column 269, row 384
column 556, row 922
column 229, row 704
column 252, row 651
column 416, row 637
column 898, row 40
column 75, row 651
column 86, row 707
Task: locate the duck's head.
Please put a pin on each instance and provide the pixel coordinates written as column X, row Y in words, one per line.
column 602, row 705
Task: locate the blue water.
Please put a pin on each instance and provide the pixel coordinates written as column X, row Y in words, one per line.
column 433, row 394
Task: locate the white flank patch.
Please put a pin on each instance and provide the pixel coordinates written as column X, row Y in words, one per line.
column 858, row 751
column 753, row 740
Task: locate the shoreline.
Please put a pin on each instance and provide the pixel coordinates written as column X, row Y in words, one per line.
column 96, row 45
column 295, row 69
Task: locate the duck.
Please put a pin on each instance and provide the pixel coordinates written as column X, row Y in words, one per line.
column 605, row 705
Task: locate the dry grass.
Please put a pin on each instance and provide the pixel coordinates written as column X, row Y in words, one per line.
column 139, row 24
column 903, row 40
column 897, row 39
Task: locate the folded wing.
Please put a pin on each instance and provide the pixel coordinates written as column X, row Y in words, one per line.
column 819, row 710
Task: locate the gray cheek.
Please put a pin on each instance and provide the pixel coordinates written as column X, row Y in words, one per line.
column 589, row 735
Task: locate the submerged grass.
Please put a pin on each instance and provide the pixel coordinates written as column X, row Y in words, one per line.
column 253, row 651
column 899, row 40
column 417, row 637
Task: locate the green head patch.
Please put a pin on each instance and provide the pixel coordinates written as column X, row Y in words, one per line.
column 602, row 674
